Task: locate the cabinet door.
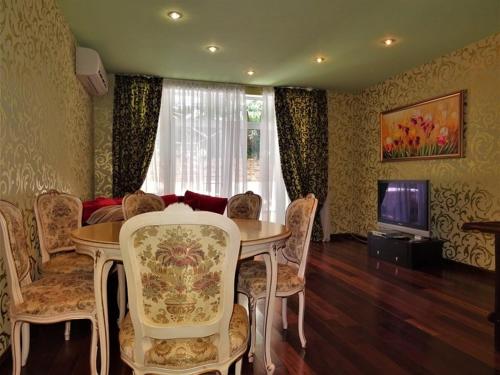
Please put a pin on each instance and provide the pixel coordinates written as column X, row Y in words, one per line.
column 390, row 250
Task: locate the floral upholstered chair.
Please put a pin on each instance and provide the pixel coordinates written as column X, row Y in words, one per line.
column 291, row 267
column 132, row 205
column 51, row 299
column 57, row 215
column 180, row 267
column 244, row 206
column 140, row 203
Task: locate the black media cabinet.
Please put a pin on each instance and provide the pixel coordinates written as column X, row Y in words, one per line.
column 404, row 251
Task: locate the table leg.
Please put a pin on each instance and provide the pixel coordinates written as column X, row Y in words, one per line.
column 101, row 271
column 272, row 276
column 122, row 292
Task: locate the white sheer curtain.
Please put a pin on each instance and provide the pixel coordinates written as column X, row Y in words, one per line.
column 201, row 144
column 272, row 187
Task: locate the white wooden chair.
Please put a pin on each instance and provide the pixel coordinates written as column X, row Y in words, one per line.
column 53, row 298
column 134, row 204
column 244, row 206
column 291, row 267
column 180, row 267
column 57, row 215
column 140, row 203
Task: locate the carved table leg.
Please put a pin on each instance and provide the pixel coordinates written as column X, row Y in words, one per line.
column 272, row 275
column 101, row 271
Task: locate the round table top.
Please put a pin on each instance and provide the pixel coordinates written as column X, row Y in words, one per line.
column 253, row 232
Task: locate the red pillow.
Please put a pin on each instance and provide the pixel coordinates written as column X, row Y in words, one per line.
column 205, row 202
column 90, row 206
column 169, row 199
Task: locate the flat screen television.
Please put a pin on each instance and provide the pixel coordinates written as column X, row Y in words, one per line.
column 403, row 205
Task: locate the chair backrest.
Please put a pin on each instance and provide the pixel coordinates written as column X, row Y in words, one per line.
column 57, row 215
column 140, row 203
column 244, row 206
column 14, row 249
column 180, row 267
column 299, row 220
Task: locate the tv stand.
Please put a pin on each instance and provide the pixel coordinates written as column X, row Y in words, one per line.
column 405, row 251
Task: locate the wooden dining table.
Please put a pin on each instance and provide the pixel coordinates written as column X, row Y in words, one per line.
column 101, row 242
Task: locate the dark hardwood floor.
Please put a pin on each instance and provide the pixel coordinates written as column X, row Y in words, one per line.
column 362, row 317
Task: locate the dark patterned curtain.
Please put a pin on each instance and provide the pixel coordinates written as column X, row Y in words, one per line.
column 302, row 122
column 135, row 121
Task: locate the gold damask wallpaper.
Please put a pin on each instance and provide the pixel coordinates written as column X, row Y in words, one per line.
column 462, row 189
column 103, row 137
column 342, row 113
column 46, row 139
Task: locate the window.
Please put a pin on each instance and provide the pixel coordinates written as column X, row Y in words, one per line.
column 215, row 139
column 254, row 105
column 201, row 140
column 263, row 165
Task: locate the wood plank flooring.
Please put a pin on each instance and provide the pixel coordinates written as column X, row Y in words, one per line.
column 362, row 317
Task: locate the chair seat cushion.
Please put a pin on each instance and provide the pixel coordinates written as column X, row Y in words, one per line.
column 68, row 262
column 58, row 294
column 252, row 279
column 187, row 352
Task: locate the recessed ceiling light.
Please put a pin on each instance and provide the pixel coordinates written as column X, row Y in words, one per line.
column 319, row 59
column 174, row 15
column 251, row 72
column 212, row 49
column 389, row 42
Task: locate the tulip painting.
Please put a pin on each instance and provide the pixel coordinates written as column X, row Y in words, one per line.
column 429, row 129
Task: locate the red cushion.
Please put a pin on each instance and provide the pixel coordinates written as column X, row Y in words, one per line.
column 205, row 202
column 169, row 199
column 90, row 207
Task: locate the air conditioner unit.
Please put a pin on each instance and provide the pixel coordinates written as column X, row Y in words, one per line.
column 90, row 71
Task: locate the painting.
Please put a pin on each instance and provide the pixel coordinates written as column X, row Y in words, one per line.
column 426, row 130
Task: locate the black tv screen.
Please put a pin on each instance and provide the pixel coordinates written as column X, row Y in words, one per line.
column 404, row 203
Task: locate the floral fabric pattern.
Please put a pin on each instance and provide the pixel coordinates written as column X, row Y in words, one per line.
column 297, row 220
column 68, row 262
column 187, row 352
column 58, row 215
column 244, row 206
column 136, row 109
column 140, row 203
column 252, row 279
column 58, row 294
column 180, row 267
column 302, row 122
column 17, row 239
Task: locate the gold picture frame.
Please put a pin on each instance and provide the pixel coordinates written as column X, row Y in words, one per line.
column 430, row 129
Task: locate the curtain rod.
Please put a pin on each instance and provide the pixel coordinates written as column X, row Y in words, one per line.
column 218, row 82
column 192, row 80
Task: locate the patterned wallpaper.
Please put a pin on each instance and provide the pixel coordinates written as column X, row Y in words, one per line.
column 342, row 113
column 462, row 189
column 103, row 137
column 46, row 138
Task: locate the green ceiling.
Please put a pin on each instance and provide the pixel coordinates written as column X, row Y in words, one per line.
column 278, row 38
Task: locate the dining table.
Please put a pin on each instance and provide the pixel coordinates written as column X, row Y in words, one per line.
column 101, row 242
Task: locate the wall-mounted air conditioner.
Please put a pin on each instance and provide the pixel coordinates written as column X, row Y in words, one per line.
column 90, row 71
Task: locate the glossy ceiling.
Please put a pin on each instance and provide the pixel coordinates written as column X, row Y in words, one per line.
column 278, row 39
